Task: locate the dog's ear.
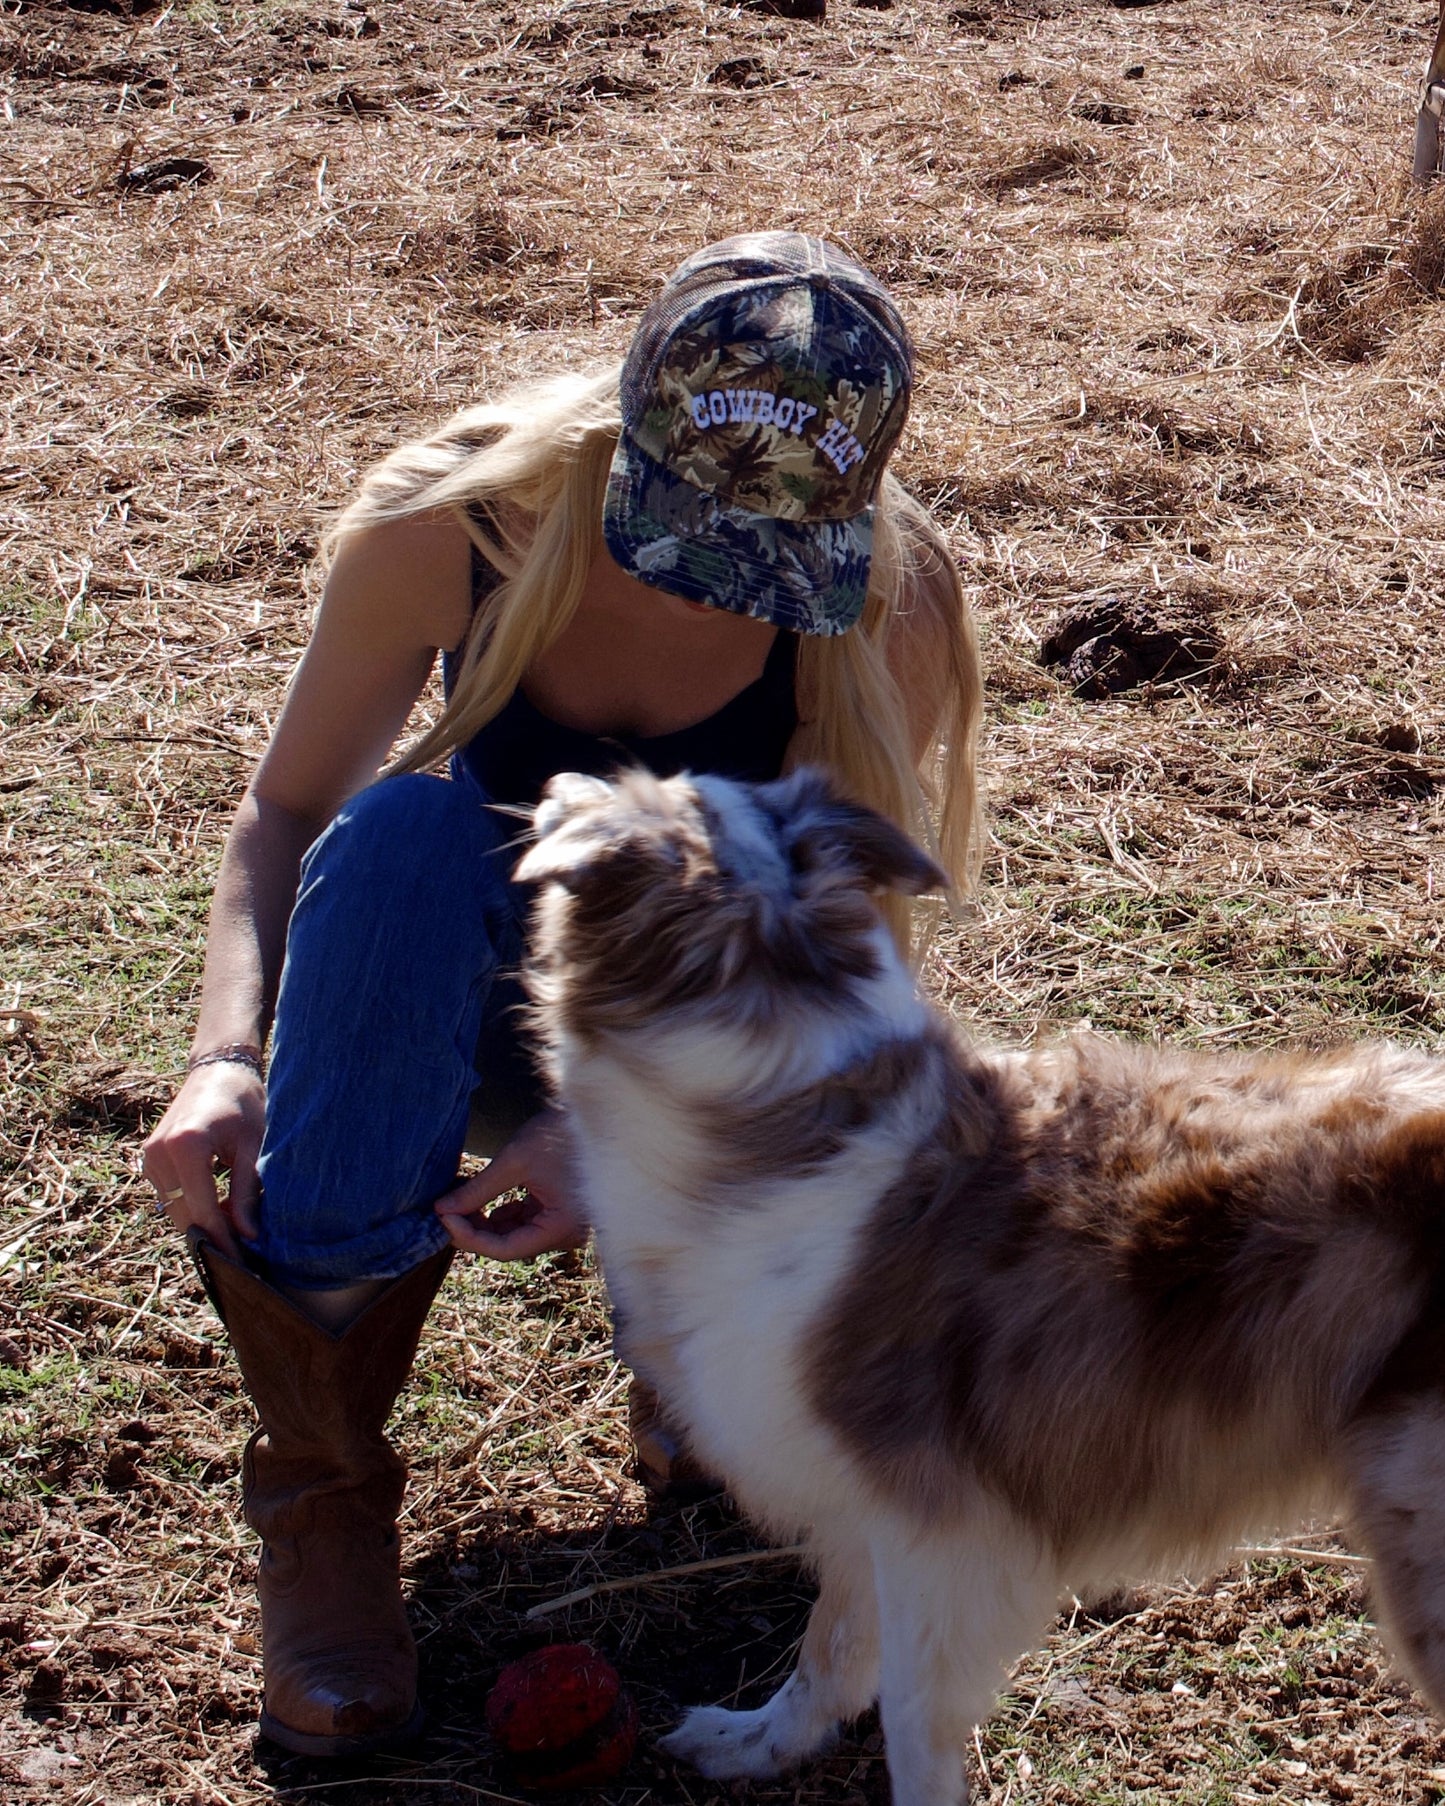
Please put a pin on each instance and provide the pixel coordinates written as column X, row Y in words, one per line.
column 885, row 856
column 569, row 836
column 824, row 828
column 564, row 795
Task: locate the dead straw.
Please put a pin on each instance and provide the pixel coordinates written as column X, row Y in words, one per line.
column 1181, row 340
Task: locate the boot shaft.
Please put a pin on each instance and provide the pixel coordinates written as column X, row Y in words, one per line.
column 319, row 1394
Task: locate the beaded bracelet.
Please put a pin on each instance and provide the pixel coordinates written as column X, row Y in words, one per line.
column 240, row 1053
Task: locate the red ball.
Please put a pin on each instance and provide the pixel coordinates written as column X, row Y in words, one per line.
column 563, row 1718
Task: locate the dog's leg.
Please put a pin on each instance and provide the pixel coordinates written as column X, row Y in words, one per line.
column 1396, row 1471
column 836, row 1679
column 953, row 1614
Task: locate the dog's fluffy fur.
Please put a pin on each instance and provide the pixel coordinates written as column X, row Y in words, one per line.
column 983, row 1326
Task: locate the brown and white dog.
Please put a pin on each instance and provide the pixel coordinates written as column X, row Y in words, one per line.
column 983, row 1326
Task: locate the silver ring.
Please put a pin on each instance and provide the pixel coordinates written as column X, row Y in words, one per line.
column 169, row 1197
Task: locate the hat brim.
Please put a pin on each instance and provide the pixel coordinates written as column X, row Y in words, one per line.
column 806, row 576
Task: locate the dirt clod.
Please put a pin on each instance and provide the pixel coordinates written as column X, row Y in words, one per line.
column 1401, row 737
column 167, row 174
column 1113, row 644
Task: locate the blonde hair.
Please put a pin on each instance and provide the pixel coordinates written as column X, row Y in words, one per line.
column 526, row 475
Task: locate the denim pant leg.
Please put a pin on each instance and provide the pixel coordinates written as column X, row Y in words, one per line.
column 404, row 918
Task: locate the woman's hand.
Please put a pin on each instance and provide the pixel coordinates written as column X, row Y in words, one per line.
column 538, row 1160
column 216, row 1120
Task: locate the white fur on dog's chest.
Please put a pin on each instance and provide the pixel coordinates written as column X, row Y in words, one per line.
column 724, row 1293
column 734, row 1313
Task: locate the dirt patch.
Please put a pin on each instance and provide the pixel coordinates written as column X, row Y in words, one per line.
column 1115, row 643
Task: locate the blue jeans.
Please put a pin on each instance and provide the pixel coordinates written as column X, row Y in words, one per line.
column 396, row 1019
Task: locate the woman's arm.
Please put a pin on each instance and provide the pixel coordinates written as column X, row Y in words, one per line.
column 394, row 595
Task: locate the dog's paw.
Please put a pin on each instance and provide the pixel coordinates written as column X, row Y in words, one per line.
column 729, row 1746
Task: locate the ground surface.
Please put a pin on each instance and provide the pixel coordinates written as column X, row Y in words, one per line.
column 1183, row 338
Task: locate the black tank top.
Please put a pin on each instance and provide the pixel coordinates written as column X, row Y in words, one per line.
column 520, row 748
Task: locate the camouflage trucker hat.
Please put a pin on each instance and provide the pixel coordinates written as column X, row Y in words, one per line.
column 761, row 398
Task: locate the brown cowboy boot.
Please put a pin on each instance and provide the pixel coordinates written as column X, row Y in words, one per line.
column 322, row 1487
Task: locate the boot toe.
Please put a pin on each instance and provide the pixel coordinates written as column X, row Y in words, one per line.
column 342, row 1727
column 344, row 1706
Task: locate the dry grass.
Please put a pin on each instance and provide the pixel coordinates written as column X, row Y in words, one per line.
column 1183, row 336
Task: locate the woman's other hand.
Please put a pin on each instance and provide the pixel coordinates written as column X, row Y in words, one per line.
column 537, row 1161
column 215, row 1121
